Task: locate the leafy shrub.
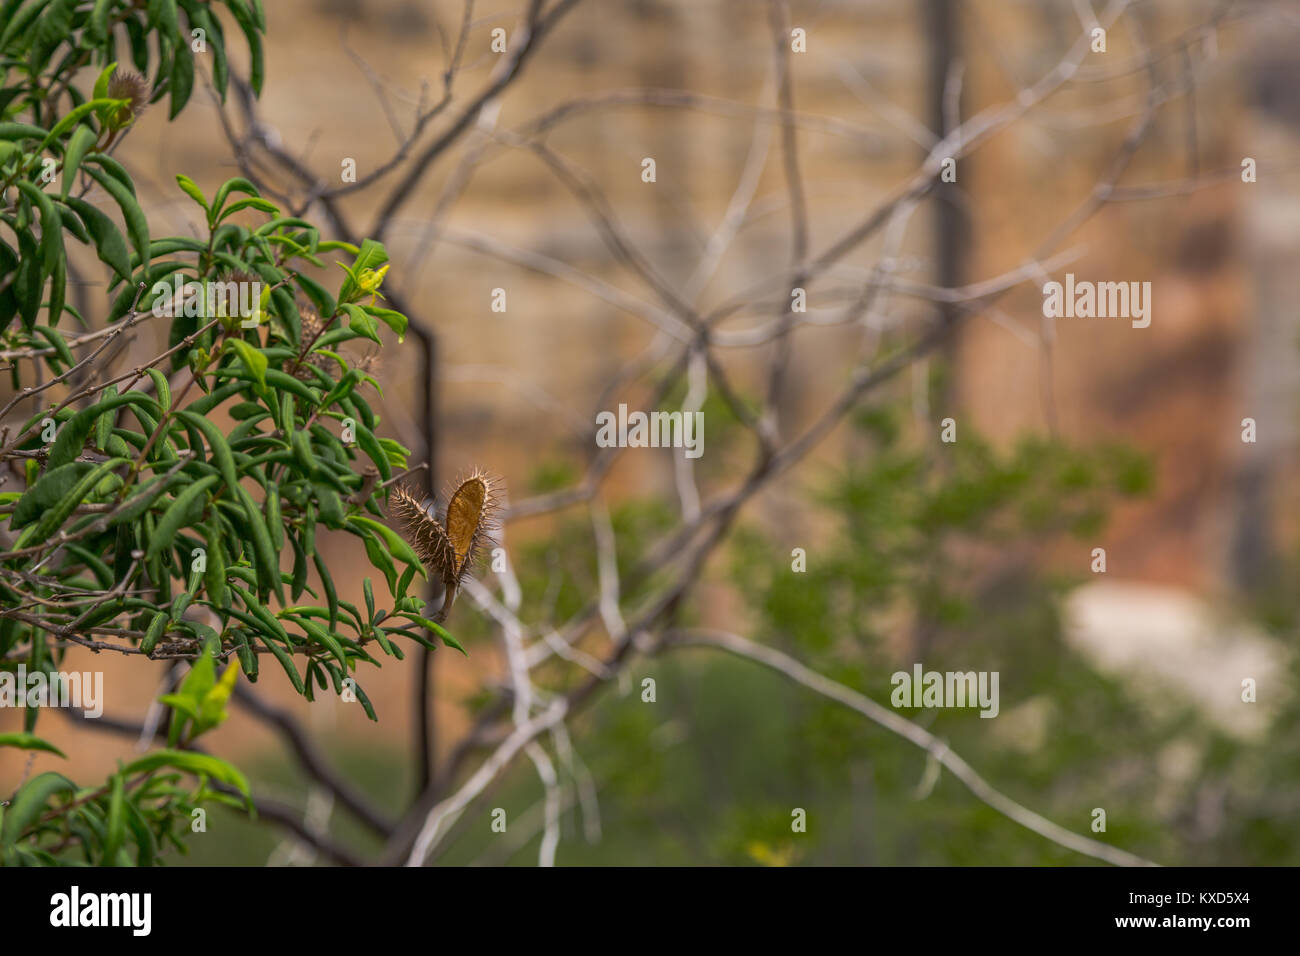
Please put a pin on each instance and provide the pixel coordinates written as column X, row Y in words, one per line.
column 144, row 526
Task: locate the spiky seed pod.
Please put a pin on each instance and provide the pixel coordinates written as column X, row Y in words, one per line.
column 425, row 533
column 131, row 86
column 472, row 512
column 311, row 324
column 311, row 329
column 449, row 547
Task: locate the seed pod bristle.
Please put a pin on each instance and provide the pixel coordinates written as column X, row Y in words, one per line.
column 131, row 86
column 425, row 533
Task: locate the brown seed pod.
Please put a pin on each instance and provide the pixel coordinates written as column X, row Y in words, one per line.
column 131, row 86
column 472, row 511
column 449, row 547
column 425, row 533
column 312, row 328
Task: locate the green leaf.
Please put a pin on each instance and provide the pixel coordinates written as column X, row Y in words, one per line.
column 100, row 91
column 182, row 78
column 57, row 341
column 371, row 446
column 72, row 436
column 257, row 67
column 29, row 801
column 109, row 244
column 212, row 708
column 163, row 14
column 390, row 317
column 29, row 742
column 437, row 629
column 235, row 185
column 52, row 519
column 78, row 146
column 58, row 282
column 397, row 546
column 254, row 360
column 20, row 22
column 217, row 443
column 173, row 518
column 162, row 387
column 73, row 118
column 215, row 575
column 115, row 825
column 360, row 322
column 194, row 763
column 151, row 636
column 55, row 485
column 97, row 33
column 49, row 222
column 192, row 190
column 286, row 662
column 331, row 593
column 137, row 227
column 323, row 637
column 20, row 131
column 136, row 505
column 113, row 168
column 253, row 203
column 268, row 564
column 72, row 222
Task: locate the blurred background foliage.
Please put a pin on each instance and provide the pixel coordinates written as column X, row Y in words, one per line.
column 965, row 556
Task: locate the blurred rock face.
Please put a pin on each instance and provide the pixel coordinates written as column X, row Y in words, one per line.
column 1157, row 639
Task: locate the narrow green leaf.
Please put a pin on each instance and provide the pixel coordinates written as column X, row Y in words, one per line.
column 29, row 742
column 397, row 546
column 257, row 203
column 182, row 78
column 162, row 387
column 195, row 763
column 55, row 485
column 268, row 564
column 137, row 227
column 192, row 190
column 216, row 443
column 437, row 629
column 362, row 323
column 252, row 358
column 173, row 519
column 78, row 146
column 74, row 432
column 53, row 519
column 58, row 342
column 115, row 825
column 29, row 801
column 151, row 636
column 109, row 244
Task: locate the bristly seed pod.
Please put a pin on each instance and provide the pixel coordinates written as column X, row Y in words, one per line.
column 425, row 533
column 312, row 328
column 132, row 87
column 472, row 512
column 449, row 547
